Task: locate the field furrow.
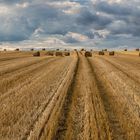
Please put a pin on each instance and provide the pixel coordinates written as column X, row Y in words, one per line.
column 46, row 125
column 19, row 64
column 76, row 97
column 26, row 105
column 129, row 69
column 82, row 120
column 23, row 76
column 122, row 98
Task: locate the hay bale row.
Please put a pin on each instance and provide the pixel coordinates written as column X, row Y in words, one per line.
column 67, row 53
column 104, row 50
column 49, row 53
column 36, row 54
column 112, row 53
column 88, row 54
column 43, row 49
column 58, row 54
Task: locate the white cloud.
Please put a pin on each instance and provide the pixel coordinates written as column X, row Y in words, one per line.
column 4, row 9
column 37, row 32
column 22, row 5
column 69, row 21
column 63, row 4
column 77, row 36
column 54, row 41
column 72, row 11
column 104, row 33
column 66, row 6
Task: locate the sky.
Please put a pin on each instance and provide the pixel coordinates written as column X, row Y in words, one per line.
column 64, row 23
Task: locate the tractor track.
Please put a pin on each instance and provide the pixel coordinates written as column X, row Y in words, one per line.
column 129, row 75
column 80, row 118
column 50, row 109
column 12, row 58
column 20, row 67
column 49, row 91
column 21, row 78
column 114, row 124
column 132, row 99
column 70, row 98
column 123, row 104
column 62, row 125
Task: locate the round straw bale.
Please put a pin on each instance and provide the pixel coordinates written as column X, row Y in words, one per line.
column 101, row 53
column 36, row 53
column 88, row 54
column 112, row 53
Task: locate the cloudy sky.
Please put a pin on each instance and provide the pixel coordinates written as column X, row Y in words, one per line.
column 89, row 23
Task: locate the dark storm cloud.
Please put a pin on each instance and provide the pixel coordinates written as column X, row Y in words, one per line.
column 115, row 9
column 126, row 17
column 71, row 40
column 21, row 26
column 23, row 20
column 87, row 18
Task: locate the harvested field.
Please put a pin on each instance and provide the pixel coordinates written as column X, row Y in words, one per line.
column 69, row 98
column 136, row 53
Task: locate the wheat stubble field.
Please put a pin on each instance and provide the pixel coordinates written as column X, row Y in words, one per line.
column 69, row 98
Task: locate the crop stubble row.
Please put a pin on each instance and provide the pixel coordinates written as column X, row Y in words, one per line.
column 72, row 98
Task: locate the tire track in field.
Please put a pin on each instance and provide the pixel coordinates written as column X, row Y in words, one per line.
column 62, row 122
column 118, row 85
column 39, row 91
column 7, row 62
column 23, row 67
column 43, row 127
column 114, row 124
column 133, row 98
column 18, row 68
column 12, row 58
column 21, row 77
column 129, row 75
column 82, row 118
column 72, row 119
column 30, row 80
